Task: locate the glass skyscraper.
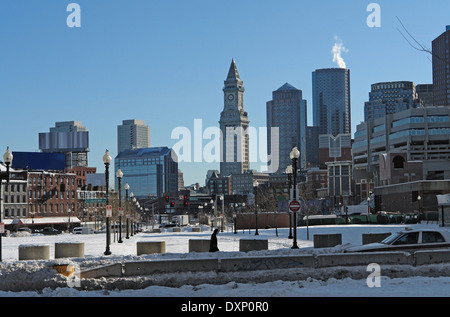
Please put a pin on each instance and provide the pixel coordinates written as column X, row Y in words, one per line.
column 132, row 134
column 287, row 112
column 331, row 100
column 148, row 171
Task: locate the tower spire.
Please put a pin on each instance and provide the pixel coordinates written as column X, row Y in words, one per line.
column 233, row 73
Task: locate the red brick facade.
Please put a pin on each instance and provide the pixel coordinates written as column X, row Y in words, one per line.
column 51, row 194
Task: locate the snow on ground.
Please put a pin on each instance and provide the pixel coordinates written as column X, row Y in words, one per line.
column 39, row 279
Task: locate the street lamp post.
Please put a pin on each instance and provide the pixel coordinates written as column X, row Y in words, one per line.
column 133, row 200
column 95, row 218
column 234, row 213
column 68, row 224
column 289, row 174
column 119, row 176
column 419, row 199
column 294, row 155
column 7, row 159
column 32, row 217
column 127, row 187
column 255, row 188
column 107, row 160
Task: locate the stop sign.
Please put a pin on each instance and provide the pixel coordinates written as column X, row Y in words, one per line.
column 294, row 206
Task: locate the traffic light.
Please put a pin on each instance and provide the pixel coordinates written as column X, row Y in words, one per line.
column 172, row 204
column 167, row 199
column 185, row 200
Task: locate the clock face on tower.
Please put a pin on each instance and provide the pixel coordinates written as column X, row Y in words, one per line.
column 230, row 97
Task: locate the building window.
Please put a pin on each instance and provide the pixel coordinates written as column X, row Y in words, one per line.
column 398, row 162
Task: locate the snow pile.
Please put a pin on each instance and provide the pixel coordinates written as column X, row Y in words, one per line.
column 29, row 275
column 39, row 278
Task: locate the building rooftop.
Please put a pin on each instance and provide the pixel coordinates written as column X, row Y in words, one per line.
column 286, row 87
column 153, row 151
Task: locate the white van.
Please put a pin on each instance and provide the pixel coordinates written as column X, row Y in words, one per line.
column 83, row 230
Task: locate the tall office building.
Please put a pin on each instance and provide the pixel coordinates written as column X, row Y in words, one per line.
column 70, row 138
column 234, row 144
column 441, row 68
column 331, row 100
column 287, row 112
column 132, row 134
column 425, row 94
column 148, row 171
column 390, row 97
column 312, row 146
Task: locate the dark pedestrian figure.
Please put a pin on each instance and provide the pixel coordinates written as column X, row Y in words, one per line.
column 213, row 244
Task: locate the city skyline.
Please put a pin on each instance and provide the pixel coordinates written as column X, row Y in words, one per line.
column 166, row 66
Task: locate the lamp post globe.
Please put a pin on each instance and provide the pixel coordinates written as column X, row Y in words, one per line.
column 107, row 158
column 7, row 157
column 295, row 153
column 289, row 169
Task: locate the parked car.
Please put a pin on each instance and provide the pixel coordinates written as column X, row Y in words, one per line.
column 24, row 229
column 169, row 225
column 408, row 240
column 49, row 231
column 83, row 230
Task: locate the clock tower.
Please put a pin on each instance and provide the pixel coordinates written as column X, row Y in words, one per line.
column 234, row 126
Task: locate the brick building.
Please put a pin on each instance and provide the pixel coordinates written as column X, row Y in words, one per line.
column 52, row 195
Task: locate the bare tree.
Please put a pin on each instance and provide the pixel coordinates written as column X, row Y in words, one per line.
column 418, row 46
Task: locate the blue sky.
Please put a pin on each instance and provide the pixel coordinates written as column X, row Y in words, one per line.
column 164, row 62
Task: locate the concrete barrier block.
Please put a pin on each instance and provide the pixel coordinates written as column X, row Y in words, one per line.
column 431, row 257
column 349, row 259
column 246, row 245
column 156, row 230
column 69, row 250
column 265, row 263
column 374, row 237
column 196, row 229
column 176, row 229
column 34, row 252
column 113, row 270
column 197, row 245
column 327, row 240
column 150, row 247
column 152, row 267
